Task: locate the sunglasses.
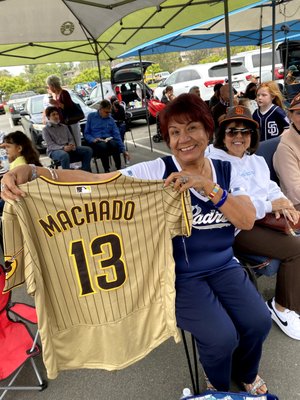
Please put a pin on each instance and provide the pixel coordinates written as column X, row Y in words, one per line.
column 232, row 132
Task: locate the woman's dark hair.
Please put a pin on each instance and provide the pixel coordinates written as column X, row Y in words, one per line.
column 19, row 138
column 113, row 99
column 186, row 107
column 255, row 136
column 250, row 91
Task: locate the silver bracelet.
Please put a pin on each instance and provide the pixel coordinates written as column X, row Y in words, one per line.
column 34, row 174
column 53, row 174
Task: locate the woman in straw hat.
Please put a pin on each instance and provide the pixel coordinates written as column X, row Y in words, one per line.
column 236, row 141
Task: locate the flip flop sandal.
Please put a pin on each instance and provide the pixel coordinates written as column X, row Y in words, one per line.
column 209, row 385
column 258, row 383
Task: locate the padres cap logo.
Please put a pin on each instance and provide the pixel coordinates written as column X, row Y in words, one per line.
column 239, row 110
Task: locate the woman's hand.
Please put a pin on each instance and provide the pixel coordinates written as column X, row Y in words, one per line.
column 10, row 180
column 291, row 214
column 182, row 181
column 281, row 204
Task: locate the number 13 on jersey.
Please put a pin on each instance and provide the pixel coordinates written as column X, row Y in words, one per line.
column 112, row 267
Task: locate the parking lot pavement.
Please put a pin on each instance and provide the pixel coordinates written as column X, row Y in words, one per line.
column 163, row 373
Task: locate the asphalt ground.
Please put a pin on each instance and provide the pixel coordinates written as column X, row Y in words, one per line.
column 163, row 374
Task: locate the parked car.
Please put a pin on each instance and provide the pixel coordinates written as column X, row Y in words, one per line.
column 16, row 104
column 290, row 55
column 2, row 108
column 96, row 94
column 126, row 79
column 260, row 64
column 205, row 76
column 32, row 117
column 159, row 76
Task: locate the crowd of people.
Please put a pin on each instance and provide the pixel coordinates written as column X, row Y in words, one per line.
column 213, row 157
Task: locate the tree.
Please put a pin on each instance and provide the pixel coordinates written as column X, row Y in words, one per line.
column 11, row 85
column 4, row 72
column 90, row 75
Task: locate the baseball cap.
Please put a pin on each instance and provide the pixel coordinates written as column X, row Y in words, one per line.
column 239, row 113
column 292, row 68
column 295, row 104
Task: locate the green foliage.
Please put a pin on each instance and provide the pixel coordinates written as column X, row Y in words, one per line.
column 9, row 84
column 153, row 69
column 92, row 74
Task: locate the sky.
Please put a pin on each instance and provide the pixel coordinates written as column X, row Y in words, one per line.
column 14, row 70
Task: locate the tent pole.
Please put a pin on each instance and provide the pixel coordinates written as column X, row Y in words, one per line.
column 99, row 68
column 260, row 43
column 228, row 51
column 273, row 37
column 145, row 99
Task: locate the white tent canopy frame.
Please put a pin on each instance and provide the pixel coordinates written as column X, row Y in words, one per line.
column 43, row 31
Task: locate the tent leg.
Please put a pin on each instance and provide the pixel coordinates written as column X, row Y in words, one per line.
column 146, row 104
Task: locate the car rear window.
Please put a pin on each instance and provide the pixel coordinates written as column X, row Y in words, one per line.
column 37, row 105
column 125, row 75
column 266, row 59
column 218, row 71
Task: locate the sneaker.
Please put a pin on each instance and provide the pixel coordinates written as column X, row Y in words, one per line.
column 288, row 321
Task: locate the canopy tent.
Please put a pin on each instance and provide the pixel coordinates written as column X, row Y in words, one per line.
column 43, row 31
column 258, row 22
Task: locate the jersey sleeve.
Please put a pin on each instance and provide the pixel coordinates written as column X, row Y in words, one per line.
column 154, row 169
column 178, row 212
column 17, row 264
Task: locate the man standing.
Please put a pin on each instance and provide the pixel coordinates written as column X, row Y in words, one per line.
column 103, row 135
column 60, row 142
column 195, row 90
column 219, row 110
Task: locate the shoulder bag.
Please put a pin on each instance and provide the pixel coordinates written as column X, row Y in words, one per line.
column 282, row 224
column 73, row 114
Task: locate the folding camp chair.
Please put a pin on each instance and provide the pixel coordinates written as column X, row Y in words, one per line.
column 17, row 344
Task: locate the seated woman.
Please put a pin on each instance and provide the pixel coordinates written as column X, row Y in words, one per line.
column 20, row 151
column 286, row 159
column 236, row 141
column 215, row 300
column 61, row 144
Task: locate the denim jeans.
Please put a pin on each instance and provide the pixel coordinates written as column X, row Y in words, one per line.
column 82, row 153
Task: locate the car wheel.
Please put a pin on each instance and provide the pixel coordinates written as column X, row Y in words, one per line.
column 15, row 122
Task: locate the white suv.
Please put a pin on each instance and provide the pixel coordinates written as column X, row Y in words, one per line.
column 205, row 76
column 251, row 60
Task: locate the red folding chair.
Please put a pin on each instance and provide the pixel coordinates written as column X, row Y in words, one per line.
column 17, row 344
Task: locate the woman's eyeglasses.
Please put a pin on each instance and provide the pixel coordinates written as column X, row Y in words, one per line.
column 231, row 132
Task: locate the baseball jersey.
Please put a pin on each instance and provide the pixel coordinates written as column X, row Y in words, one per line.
column 98, row 259
column 271, row 123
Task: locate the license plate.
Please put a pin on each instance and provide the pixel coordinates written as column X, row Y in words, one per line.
column 236, row 84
